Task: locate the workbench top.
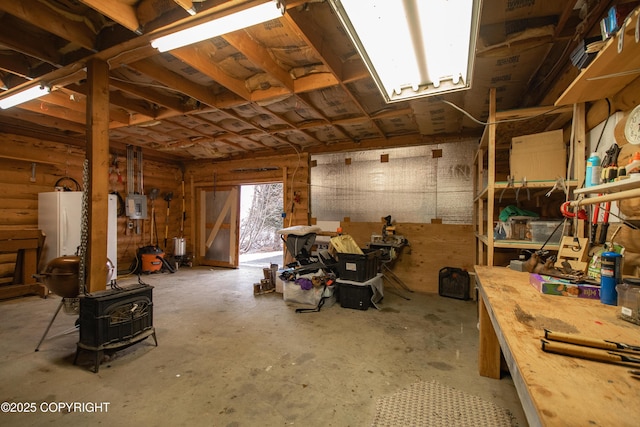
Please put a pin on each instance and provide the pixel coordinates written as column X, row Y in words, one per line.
column 555, row 390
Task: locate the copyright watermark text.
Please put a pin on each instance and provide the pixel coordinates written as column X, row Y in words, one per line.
column 54, row 407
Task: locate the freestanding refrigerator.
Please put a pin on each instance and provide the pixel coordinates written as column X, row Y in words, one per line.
column 60, row 219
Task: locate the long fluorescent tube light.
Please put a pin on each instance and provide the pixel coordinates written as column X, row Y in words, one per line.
column 413, row 48
column 24, row 96
column 226, row 24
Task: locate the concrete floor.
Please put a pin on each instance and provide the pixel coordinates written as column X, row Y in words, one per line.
column 227, row 358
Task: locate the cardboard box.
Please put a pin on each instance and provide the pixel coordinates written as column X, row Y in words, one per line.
column 554, row 286
column 538, row 157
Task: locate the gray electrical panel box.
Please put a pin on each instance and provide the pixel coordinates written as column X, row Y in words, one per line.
column 136, row 206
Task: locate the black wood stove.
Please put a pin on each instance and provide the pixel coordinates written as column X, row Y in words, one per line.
column 114, row 319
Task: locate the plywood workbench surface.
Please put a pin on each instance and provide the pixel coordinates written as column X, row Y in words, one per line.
column 555, row 390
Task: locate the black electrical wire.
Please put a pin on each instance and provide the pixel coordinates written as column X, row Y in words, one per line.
column 121, row 207
column 64, row 187
column 605, row 123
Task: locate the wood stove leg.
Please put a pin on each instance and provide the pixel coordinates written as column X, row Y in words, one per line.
column 98, row 359
column 154, row 337
column 75, row 359
column 50, row 323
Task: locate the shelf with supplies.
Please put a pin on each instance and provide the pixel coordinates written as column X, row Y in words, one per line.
column 518, row 244
column 531, row 185
column 610, row 192
column 616, row 65
column 493, row 169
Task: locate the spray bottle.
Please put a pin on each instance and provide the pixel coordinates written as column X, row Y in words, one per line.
column 593, row 170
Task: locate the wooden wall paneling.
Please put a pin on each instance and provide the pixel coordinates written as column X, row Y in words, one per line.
column 19, row 209
column 293, row 169
column 432, row 247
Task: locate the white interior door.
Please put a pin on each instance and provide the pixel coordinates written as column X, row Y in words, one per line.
column 219, row 227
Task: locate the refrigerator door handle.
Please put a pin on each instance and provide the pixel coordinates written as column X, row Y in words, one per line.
column 63, row 234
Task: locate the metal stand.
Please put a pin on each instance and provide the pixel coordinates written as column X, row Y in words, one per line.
column 393, row 279
column 51, row 323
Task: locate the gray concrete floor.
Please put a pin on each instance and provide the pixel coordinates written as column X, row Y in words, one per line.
column 229, row 358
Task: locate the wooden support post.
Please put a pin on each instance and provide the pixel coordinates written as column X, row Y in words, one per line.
column 489, row 355
column 579, row 154
column 491, row 174
column 98, row 156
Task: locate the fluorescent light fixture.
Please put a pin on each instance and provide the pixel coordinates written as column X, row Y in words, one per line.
column 223, row 25
column 23, row 96
column 413, row 48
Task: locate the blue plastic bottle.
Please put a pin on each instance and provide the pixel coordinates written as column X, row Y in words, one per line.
column 593, row 170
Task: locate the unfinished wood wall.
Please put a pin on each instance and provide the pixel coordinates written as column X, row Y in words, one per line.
column 432, row 247
column 19, row 188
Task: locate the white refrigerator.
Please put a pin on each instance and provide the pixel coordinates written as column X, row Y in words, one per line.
column 60, row 219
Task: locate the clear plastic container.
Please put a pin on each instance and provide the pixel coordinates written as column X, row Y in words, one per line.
column 541, row 230
column 629, row 301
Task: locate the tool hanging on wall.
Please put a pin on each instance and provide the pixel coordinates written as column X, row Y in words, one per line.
column 184, row 211
column 153, row 195
column 167, row 197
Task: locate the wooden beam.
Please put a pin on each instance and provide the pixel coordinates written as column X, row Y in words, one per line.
column 157, row 98
column 38, row 119
column 303, row 25
column 36, row 47
column 98, row 157
column 175, row 81
column 119, row 11
column 42, row 16
column 45, row 108
column 257, row 54
column 199, row 56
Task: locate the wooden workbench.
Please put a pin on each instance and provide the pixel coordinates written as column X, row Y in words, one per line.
column 555, row 390
column 26, row 243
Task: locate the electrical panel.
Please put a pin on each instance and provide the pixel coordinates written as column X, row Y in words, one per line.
column 136, row 206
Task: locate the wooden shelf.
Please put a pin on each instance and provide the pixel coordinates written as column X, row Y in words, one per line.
column 631, row 183
column 489, row 192
column 611, row 70
column 518, row 244
column 532, row 185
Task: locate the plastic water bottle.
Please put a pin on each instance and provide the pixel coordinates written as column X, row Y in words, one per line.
column 593, row 170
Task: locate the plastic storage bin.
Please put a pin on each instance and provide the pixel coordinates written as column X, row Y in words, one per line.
column 629, row 300
column 354, row 296
column 358, row 268
column 541, row 230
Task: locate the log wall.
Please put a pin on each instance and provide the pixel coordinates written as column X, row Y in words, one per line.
column 21, row 181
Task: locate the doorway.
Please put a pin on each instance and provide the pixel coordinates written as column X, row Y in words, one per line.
column 261, row 208
column 218, row 239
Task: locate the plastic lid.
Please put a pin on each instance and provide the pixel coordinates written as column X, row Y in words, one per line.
column 631, row 281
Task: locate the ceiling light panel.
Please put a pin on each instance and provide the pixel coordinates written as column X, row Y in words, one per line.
column 413, row 48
